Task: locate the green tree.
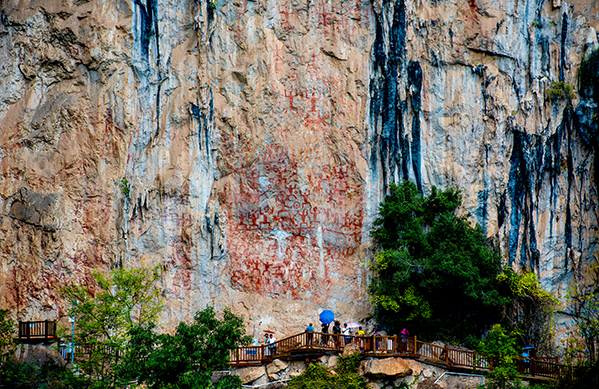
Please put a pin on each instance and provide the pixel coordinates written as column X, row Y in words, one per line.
column 187, row 358
column 435, row 274
column 503, row 347
column 317, row 376
column 123, row 299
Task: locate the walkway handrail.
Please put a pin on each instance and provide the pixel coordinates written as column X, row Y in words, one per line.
column 384, row 345
column 37, row 330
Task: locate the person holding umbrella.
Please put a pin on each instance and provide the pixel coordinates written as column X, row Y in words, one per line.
column 325, row 330
column 337, row 332
column 326, row 317
column 526, row 355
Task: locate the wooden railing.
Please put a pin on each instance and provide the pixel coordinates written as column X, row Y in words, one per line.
column 380, row 346
column 37, row 331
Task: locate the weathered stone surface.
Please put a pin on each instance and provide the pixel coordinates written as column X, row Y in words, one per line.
column 350, row 349
column 386, row 368
column 458, row 381
column 428, row 384
column 332, row 362
column 275, row 367
column 295, row 368
column 38, row 355
column 415, row 366
column 249, row 374
column 245, row 146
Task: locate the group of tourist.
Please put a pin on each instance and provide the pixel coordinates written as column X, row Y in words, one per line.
column 270, row 342
column 338, row 335
column 337, row 331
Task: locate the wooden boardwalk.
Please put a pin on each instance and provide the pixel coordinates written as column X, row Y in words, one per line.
column 316, row 344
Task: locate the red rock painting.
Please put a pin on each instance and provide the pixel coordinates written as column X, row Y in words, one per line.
column 287, row 238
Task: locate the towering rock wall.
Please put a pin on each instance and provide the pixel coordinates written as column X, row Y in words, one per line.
column 244, row 146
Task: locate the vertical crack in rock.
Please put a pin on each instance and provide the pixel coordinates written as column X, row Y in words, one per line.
column 148, row 31
column 520, row 186
column 154, row 16
column 415, row 86
column 562, row 53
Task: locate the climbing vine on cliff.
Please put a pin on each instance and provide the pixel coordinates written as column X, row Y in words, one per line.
column 530, row 315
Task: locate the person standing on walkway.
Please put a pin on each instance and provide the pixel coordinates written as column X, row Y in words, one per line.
column 272, row 347
column 325, row 330
column 404, row 339
column 375, row 343
column 337, row 332
column 360, row 334
column 310, row 334
column 346, row 332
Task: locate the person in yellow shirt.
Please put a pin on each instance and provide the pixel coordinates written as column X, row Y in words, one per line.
column 360, row 340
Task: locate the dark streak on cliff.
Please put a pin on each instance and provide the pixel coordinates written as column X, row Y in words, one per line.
column 399, row 155
column 148, row 30
column 562, row 54
column 204, row 125
column 415, row 87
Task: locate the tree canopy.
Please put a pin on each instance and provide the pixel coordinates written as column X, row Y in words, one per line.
column 123, row 299
column 435, row 274
column 187, row 358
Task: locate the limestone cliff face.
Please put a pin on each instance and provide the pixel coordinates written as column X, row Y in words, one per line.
column 245, row 145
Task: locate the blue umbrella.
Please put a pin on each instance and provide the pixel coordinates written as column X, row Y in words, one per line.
column 327, row 317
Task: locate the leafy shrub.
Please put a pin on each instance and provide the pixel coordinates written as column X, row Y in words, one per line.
column 319, row 377
column 585, row 376
column 503, row 347
column 49, row 376
column 560, row 90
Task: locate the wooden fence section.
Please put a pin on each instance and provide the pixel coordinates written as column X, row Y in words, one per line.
column 383, row 346
column 37, row 331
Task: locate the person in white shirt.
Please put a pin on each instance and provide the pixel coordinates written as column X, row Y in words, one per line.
column 272, row 347
column 346, row 331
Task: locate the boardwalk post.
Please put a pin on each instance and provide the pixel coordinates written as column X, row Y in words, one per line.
column 415, row 344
